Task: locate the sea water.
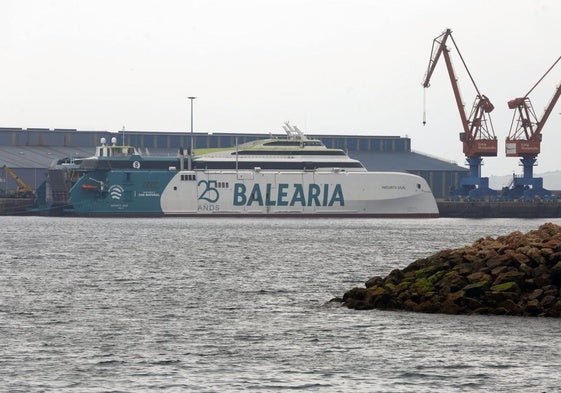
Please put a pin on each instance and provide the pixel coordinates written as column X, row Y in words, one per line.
column 232, row 305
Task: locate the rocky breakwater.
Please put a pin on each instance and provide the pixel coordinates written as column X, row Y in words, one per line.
column 516, row 274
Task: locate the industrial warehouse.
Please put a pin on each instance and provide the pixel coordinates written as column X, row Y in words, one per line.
column 29, row 153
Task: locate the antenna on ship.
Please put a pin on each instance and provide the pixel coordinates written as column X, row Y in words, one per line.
column 123, row 129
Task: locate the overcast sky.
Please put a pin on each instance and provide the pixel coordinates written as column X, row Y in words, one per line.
column 343, row 67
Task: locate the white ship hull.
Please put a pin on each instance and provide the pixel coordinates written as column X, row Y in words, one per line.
column 298, row 193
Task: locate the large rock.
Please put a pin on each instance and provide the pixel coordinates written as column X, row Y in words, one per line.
column 516, row 274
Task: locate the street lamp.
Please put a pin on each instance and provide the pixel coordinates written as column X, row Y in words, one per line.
column 191, row 143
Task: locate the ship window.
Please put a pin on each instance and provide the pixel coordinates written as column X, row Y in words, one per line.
column 188, row 177
column 282, row 143
column 174, row 188
column 418, row 186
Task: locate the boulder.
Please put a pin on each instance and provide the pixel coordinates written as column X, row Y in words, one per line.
column 515, row 274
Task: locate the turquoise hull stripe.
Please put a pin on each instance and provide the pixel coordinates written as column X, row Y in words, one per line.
column 130, row 192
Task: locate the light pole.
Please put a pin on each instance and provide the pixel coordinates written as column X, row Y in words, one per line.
column 192, row 140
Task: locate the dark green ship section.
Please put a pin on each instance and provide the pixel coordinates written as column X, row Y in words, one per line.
column 121, row 192
column 119, row 181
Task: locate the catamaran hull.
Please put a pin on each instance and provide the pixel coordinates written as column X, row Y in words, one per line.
column 205, row 193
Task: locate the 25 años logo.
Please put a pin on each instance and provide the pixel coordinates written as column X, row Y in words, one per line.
column 210, row 192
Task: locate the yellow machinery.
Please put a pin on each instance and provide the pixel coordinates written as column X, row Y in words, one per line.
column 23, row 190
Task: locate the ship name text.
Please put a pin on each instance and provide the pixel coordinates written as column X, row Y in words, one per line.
column 288, row 195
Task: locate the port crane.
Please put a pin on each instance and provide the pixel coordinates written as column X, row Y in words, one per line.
column 477, row 136
column 524, row 140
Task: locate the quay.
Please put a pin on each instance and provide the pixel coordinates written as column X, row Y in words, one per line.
column 499, row 209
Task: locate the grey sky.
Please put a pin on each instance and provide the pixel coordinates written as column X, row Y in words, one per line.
column 346, row 67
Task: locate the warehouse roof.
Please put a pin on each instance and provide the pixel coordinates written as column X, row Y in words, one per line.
column 39, row 156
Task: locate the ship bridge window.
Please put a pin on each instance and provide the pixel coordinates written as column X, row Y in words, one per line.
column 191, row 177
column 282, row 143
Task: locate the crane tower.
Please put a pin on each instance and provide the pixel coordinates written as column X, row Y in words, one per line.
column 524, row 140
column 477, row 136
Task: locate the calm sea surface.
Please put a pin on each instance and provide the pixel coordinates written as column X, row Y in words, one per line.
column 231, row 305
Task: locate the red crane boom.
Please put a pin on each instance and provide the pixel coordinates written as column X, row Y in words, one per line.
column 478, row 137
column 525, row 135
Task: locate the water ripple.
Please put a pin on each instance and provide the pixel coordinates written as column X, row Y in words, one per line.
column 234, row 305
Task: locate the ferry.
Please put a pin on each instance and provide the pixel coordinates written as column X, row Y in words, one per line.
column 289, row 176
